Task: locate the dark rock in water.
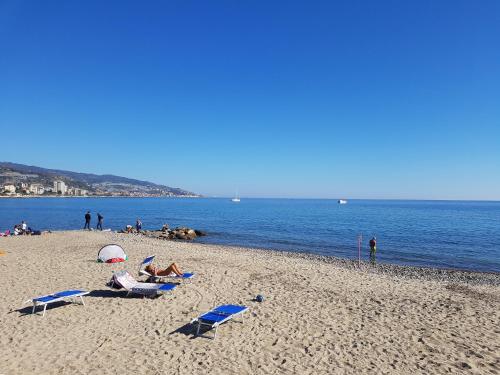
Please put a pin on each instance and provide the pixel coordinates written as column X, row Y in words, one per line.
column 190, row 235
column 180, row 235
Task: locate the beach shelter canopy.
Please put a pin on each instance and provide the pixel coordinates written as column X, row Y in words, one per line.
column 111, row 254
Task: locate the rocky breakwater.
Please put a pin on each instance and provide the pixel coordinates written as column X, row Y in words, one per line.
column 179, row 233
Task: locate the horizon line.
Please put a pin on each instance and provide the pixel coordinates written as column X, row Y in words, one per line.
column 360, row 199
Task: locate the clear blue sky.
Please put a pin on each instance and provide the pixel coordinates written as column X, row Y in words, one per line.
column 367, row 99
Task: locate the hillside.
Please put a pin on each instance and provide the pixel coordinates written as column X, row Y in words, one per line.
column 24, row 176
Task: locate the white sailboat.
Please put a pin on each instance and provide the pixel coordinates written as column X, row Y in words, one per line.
column 236, row 199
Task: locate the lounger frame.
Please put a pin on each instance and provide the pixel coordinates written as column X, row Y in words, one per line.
column 72, row 298
column 215, row 325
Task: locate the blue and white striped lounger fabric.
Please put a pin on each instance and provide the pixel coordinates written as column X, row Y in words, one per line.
column 149, row 260
column 185, row 276
column 57, row 297
column 217, row 316
column 126, row 281
column 151, row 288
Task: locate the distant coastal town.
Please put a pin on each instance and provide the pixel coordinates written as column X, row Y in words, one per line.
column 22, row 181
column 59, row 188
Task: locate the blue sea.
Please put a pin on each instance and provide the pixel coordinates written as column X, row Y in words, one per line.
column 446, row 234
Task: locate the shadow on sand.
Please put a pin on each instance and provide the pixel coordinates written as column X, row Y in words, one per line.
column 101, row 293
column 189, row 330
column 26, row 311
column 107, row 293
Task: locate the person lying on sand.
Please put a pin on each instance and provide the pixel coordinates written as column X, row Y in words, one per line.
column 170, row 270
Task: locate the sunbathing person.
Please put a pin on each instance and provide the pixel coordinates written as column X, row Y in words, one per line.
column 171, row 270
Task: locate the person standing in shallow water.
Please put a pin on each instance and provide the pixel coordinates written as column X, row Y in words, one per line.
column 138, row 225
column 99, row 221
column 87, row 220
column 373, row 248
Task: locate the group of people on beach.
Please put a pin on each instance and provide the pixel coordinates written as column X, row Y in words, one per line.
column 19, row 230
column 100, row 220
column 88, row 217
column 138, row 227
column 22, row 228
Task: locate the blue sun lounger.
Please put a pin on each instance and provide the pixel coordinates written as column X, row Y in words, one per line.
column 57, row 297
column 218, row 316
column 147, row 261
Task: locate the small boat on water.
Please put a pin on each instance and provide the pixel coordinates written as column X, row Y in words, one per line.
column 342, row 201
column 236, row 198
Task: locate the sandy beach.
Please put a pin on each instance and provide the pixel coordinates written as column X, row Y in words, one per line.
column 319, row 316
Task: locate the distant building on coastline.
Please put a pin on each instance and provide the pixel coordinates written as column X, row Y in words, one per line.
column 23, row 188
column 9, row 188
column 60, row 187
column 79, row 192
column 37, row 189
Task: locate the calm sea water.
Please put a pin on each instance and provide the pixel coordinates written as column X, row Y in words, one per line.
column 448, row 234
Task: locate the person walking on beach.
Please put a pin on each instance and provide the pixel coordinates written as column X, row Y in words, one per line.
column 99, row 221
column 87, row 220
column 138, row 225
column 373, row 248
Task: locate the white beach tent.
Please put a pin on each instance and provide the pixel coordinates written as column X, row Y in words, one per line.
column 111, row 254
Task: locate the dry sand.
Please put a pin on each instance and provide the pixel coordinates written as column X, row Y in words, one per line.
column 317, row 318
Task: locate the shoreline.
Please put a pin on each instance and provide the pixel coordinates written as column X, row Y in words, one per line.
column 323, row 228
column 401, row 270
column 350, row 263
column 388, row 269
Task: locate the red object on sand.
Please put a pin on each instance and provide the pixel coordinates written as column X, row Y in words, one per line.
column 115, row 260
